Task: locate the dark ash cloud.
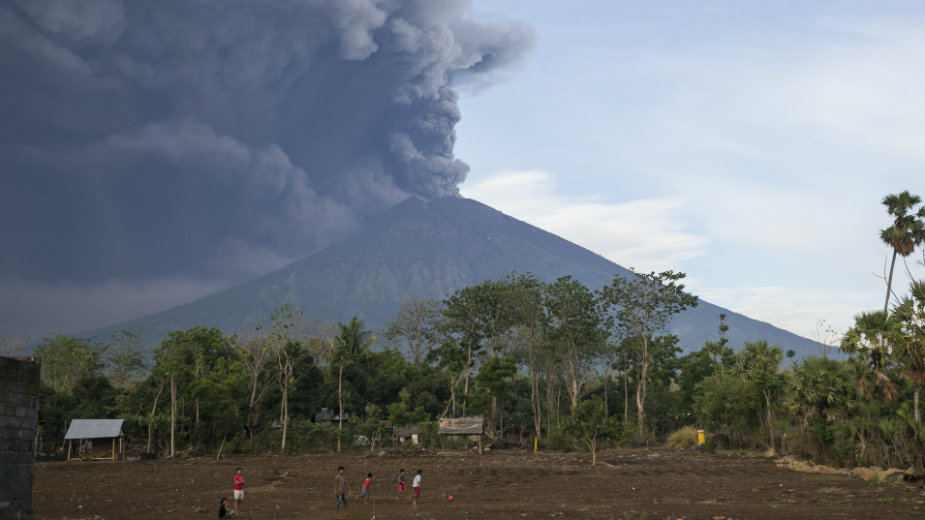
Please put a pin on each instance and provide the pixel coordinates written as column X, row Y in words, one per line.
column 216, row 140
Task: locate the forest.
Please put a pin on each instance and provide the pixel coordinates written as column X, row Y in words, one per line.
column 573, row 367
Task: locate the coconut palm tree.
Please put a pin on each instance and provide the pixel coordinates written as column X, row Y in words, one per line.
column 906, row 232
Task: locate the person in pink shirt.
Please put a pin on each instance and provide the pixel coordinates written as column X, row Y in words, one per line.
column 238, row 491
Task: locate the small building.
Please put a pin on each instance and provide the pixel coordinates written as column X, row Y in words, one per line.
column 85, row 431
column 469, row 428
column 403, row 434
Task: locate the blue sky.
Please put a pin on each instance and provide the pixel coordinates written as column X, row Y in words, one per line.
column 747, row 144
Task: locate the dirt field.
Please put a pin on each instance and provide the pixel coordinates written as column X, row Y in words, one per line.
column 634, row 484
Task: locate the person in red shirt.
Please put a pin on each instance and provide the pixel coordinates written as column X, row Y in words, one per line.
column 364, row 491
column 238, row 491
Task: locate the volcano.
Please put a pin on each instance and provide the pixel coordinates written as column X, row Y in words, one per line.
column 426, row 249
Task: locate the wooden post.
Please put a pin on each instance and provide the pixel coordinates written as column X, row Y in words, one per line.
column 69, row 443
column 113, row 448
column 480, row 444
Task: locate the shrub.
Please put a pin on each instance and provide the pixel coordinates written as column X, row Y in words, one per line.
column 685, row 438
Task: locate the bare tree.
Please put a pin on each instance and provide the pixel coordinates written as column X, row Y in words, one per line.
column 255, row 354
column 12, row 344
column 417, row 326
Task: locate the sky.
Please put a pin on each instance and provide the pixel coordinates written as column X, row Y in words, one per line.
column 155, row 152
column 747, row 144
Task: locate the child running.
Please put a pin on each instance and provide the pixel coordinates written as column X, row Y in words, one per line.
column 401, row 484
column 416, row 485
column 364, row 492
column 238, row 491
column 340, row 491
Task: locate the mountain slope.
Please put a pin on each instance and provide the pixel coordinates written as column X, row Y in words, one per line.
column 426, row 249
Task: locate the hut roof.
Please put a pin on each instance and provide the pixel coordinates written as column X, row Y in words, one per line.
column 461, row 425
column 94, row 429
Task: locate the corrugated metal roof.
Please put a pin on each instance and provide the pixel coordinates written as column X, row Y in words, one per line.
column 94, row 429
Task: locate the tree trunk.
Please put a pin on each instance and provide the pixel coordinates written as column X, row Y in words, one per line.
column 594, row 450
column 641, row 393
column 468, row 370
column 767, row 404
column 915, row 402
column 285, row 412
column 173, row 412
column 573, row 383
column 534, row 396
column 626, row 391
column 889, row 284
column 340, row 404
column 157, row 396
column 606, row 404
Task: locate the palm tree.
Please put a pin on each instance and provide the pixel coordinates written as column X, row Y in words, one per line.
column 906, row 232
column 910, row 340
column 352, row 343
column 870, row 340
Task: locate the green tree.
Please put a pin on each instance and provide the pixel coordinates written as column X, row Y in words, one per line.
column 824, row 388
column 729, row 403
column 909, row 340
column 760, row 363
column 352, row 345
column 186, row 360
column 525, row 305
column 589, row 424
column 642, row 306
column 495, row 375
column 868, row 341
column 905, row 233
column 575, row 330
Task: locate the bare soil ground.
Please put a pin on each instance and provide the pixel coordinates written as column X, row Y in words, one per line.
column 626, row 484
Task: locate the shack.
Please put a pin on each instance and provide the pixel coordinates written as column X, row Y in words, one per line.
column 85, row 431
column 469, row 428
column 403, row 434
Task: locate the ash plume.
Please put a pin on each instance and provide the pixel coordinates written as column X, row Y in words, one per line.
column 218, row 139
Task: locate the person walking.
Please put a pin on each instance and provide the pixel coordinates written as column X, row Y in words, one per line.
column 416, row 485
column 401, row 484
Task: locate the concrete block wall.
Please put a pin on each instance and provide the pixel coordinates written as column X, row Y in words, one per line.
column 19, row 414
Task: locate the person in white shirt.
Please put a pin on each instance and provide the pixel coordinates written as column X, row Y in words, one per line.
column 416, row 484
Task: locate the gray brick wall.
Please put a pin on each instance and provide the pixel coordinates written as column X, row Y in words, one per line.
column 19, row 414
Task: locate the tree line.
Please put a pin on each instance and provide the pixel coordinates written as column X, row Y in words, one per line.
column 574, row 367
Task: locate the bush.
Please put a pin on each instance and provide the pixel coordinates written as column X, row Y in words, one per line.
column 685, row 438
column 560, row 440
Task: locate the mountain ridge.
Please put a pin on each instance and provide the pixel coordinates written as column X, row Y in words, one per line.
column 427, row 250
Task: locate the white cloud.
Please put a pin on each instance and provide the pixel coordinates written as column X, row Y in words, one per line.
column 795, row 309
column 647, row 234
